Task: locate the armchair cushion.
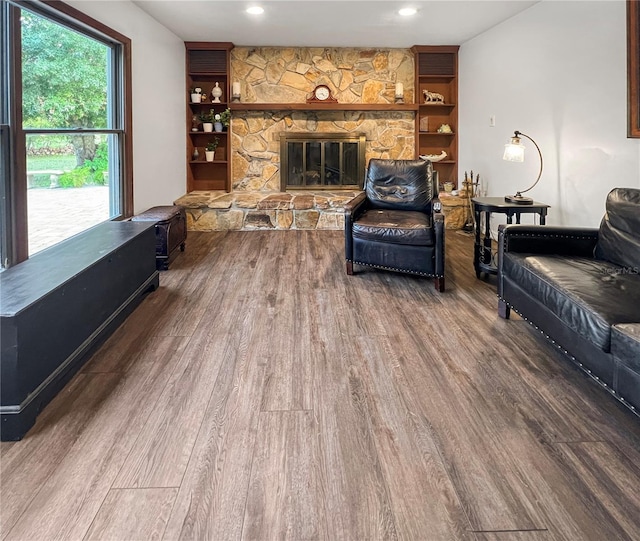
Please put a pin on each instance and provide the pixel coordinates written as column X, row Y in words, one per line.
column 399, row 184
column 618, row 239
column 400, row 227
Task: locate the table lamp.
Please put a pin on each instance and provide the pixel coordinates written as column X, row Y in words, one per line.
column 514, row 152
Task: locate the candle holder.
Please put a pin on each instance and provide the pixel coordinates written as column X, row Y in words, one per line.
column 399, row 93
column 235, row 92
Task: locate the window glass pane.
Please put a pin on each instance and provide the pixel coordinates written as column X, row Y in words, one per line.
column 66, row 197
column 64, row 76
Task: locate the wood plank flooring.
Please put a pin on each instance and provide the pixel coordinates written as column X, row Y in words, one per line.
column 261, row 393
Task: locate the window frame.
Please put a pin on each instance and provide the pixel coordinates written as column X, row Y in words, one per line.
column 633, row 67
column 14, row 228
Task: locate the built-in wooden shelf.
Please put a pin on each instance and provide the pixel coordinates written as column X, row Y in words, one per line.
column 323, row 106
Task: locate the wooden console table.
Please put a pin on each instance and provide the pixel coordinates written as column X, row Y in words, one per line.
column 482, row 250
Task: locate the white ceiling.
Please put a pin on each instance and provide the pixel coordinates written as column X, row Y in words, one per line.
column 332, row 23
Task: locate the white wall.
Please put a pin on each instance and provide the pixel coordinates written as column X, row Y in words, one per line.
column 557, row 72
column 158, row 71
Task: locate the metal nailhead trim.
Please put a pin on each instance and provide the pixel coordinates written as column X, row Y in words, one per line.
column 598, row 380
column 399, row 270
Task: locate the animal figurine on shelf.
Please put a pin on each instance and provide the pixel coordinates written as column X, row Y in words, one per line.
column 432, row 97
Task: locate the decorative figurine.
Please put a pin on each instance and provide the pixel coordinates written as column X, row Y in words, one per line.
column 445, row 128
column 434, row 157
column 216, row 92
column 194, row 123
column 432, row 97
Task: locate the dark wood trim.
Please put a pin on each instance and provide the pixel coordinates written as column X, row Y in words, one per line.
column 74, row 15
column 19, row 245
column 633, row 67
column 127, row 172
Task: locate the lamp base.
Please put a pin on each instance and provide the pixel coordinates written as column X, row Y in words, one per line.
column 518, row 199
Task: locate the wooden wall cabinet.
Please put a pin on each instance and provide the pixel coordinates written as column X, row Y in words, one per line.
column 207, row 63
column 437, row 71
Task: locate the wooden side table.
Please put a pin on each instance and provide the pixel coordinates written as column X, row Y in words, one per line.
column 482, row 250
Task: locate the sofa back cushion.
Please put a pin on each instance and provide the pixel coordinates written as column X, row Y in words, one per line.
column 399, row 184
column 619, row 235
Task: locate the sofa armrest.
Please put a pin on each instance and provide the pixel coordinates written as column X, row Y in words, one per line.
column 545, row 239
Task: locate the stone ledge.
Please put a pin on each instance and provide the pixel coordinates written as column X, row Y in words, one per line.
column 456, row 210
column 247, row 211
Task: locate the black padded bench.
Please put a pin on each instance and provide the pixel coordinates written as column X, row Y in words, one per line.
column 171, row 230
column 58, row 306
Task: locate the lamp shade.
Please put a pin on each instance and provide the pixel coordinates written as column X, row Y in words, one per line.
column 514, row 150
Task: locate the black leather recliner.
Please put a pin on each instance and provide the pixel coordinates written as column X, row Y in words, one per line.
column 396, row 224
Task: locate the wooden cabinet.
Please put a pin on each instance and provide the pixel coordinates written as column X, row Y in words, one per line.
column 207, row 63
column 437, row 72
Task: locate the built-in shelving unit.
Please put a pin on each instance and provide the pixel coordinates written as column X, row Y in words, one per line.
column 437, row 71
column 207, row 63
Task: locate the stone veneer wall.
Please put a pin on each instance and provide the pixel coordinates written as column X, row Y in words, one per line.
column 288, row 75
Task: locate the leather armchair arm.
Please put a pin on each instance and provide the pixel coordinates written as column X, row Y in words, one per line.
column 545, row 239
column 352, row 210
column 356, row 203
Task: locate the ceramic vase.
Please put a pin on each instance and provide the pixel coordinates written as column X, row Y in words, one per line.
column 216, row 92
column 217, row 126
column 207, row 126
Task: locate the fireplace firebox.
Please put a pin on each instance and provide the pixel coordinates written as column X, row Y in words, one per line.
column 322, row 161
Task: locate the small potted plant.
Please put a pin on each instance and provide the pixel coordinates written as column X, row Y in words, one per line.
column 210, row 149
column 207, row 122
column 221, row 120
column 196, row 95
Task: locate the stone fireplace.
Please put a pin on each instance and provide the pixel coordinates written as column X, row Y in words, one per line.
column 321, row 161
column 267, row 190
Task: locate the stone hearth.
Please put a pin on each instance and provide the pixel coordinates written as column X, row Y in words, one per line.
column 220, row 211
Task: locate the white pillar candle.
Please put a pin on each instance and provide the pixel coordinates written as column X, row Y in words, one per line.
column 399, row 90
column 236, row 88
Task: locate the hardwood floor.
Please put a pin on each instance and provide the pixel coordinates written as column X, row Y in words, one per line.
column 261, row 393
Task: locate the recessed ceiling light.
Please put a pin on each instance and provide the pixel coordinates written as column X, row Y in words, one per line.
column 407, row 12
column 255, row 10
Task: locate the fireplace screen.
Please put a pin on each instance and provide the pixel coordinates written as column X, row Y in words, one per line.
column 320, row 161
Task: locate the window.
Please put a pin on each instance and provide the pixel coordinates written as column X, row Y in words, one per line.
column 66, row 126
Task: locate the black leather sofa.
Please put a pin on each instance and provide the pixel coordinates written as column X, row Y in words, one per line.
column 581, row 288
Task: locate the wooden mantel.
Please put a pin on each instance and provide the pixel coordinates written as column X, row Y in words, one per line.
column 323, row 106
